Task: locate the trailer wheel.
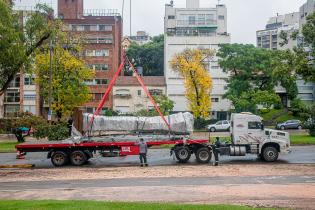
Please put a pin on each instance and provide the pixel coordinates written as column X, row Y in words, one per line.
column 182, row 154
column 78, row 158
column 270, row 154
column 203, row 155
column 59, row 158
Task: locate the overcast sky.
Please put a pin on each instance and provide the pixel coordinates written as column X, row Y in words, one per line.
column 245, row 17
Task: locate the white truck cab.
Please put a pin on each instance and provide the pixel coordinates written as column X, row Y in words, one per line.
column 249, row 136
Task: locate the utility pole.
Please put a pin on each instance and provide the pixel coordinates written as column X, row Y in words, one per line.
column 50, row 80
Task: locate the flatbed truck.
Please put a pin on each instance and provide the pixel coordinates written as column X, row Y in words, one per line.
column 247, row 133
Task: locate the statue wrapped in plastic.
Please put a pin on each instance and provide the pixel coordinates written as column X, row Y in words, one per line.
column 180, row 123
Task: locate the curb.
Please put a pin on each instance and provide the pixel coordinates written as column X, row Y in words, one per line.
column 18, row 166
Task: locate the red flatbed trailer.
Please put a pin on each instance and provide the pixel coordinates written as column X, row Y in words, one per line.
column 62, row 153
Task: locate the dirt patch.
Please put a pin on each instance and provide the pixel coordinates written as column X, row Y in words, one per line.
column 72, row 173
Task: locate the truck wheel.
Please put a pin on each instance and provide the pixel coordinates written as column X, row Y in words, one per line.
column 182, row 154
column 212, row 129
column 78, row 158
column 270, row 154
column 59, row 158
column 203, row 155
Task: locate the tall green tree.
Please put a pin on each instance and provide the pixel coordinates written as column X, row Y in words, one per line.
column 150, row 56
column 307, row 59
column 254, row 73
column 19, row 40
column 69, row 73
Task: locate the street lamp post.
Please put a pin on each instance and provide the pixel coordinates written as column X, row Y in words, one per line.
column 50, row 81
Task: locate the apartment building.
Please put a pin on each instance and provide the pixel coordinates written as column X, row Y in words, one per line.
column 141, row 38
column 305, row 10
column 269, row 38
column 129, row 97
column 22, row 93
column 195, row 27
column 102, row 30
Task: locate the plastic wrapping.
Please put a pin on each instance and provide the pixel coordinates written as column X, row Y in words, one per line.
column 180, row 123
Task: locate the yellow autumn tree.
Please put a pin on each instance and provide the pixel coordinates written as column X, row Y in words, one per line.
column 192, row 65
column 69, row 74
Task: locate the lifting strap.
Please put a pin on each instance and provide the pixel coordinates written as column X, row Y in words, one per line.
column 110, row 86
column 148, row 94
column 106, row 95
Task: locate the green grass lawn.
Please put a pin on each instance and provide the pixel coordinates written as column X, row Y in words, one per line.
column 302, row 139
column 7, row 146
column 95, row 205
column 282, row 118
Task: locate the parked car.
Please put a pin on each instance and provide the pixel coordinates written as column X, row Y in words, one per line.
column 289, row 124
column 223, row 125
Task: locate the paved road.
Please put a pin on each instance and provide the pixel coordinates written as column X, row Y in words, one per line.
column 138, row 182
column 299, row 154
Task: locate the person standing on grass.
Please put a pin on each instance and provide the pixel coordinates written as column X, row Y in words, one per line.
column 143, row 150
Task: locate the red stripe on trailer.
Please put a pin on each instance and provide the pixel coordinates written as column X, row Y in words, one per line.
column 46, row 146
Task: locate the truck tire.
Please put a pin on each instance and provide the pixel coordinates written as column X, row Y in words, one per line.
column 59, row 158
column 212, row 129
column 203, row 155
column 270, row 154
column 78, row 158
column 182, row 154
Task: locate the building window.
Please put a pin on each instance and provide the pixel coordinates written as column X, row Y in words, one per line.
column 89, row 53
column 102, row 53
column 97, row 96
column 139, row 92
column 221, row 17
column 89, row 109
column 28, row 80
column 214, row 99
column 105, row 28
column 15, row 82
column 11, row 110
column 98, row 67
column 155, row 92
column 89, row 82
column 99, row 40
column 12, row 97
column 101, row 81
column 30, row 109
column 97, row 53
column 171, row 17
column 105, row 40
column 29, row 97
column 101, row 67
column 192, row 20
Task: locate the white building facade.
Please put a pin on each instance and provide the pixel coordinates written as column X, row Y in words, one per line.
column 195, row 27
column 269, row 38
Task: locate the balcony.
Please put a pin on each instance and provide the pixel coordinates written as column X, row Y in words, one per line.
column 196, row 24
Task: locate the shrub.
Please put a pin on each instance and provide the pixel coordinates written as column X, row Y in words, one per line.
column 311, row 130
column 58, row 132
